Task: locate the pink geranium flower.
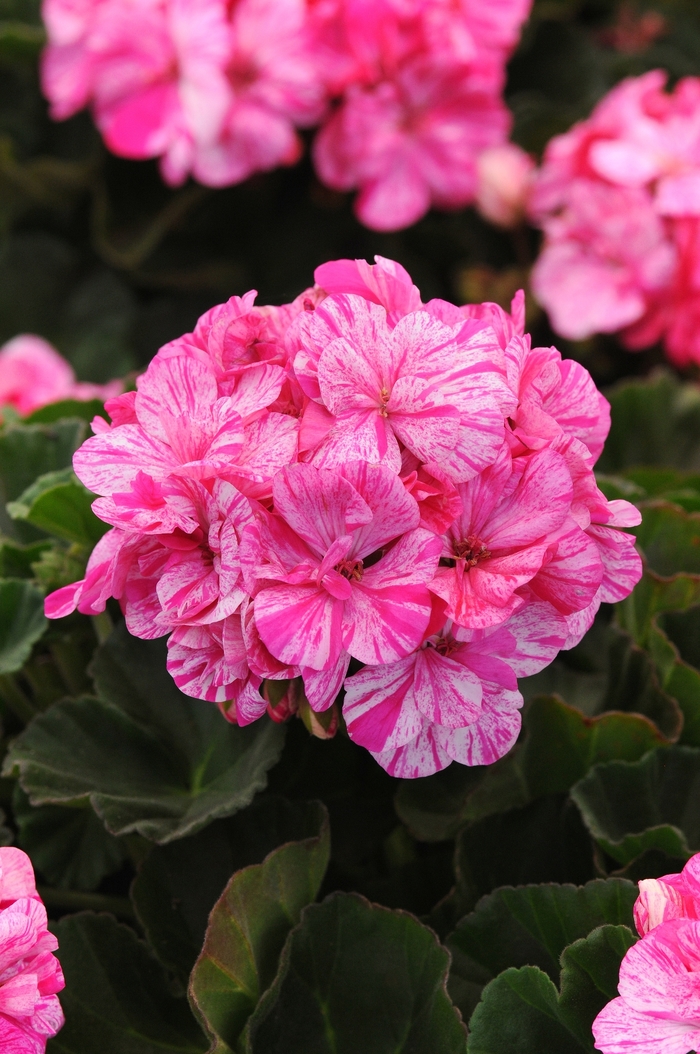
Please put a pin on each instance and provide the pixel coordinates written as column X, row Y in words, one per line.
column 30, row 975
column 318, row 598
column 671, row 897
column 618, row 197
column 658, row 1009
column 33, row 374
column 438, row 390
column 455, row 698
column 359, row 476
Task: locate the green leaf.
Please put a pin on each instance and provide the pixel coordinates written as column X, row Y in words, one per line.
column 178, row 884
column 561, row 745
column 117, row 999
column 22, row 622
column 84, row 409
column 29, row 451
column 542, row 842
column 248, row 927
column 16, row 560
column 521, row 1011
column 633, row 685
column 59, row 504
column 148, row 758
column 654, row 422
column 530, row 925
column 358, row 977
column 654, row 803
column 69, row 846
column 652, row 595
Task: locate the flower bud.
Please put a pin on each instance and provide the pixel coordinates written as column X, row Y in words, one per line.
column 504, row 176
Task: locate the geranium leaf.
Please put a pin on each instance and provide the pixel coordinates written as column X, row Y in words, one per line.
column 118, row 998
column 69, row 846
column 83, row 409
column 178, row 884
column 669, row 538
column 522, row 1012
column 147, row 757
column 59, row 504
column 530, row 925
column 22, row 622
column 653, row 803
column 358, row 977
column 248, row 926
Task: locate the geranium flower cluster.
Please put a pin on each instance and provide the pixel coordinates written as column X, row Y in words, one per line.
column 409, row 90
column 359, row 477
column 30, row 974
column 658, row 1008
column 618, row 197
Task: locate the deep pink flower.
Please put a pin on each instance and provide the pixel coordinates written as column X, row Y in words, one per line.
column 30, row 975
column 318, row 597
column 455, row 698
column 658, row 1009
column 33, row 374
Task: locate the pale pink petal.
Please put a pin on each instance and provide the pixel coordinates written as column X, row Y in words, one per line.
column 423, row 756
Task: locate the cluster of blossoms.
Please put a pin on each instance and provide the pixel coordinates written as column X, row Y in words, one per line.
column 359, row 476
column 658, row 1008
column 30, row 974
column 618, row 197
column 33, row 374
column 408, row 91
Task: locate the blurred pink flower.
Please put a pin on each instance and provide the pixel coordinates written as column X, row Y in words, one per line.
column 618, row 197
column 33, row 374
column 30, row 975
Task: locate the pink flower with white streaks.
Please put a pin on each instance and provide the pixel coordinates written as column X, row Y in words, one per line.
column 318, row 599
column 33, row 374
column 658, row 1008
column 30, row 974
column 670, row 897
column 438, row 390
column 210, row 662
column 454, row 699
column 515, row 525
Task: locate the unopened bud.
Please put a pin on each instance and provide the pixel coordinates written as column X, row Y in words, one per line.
column 504, row 177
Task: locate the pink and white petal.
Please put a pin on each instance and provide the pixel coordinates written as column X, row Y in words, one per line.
column 300, row 624
column 490, row 737
column 177, row 385
column 423, row 756
column 619, row 1029
column 571, row 578
column 445, row 691
column 412, row 561
column 379, row 708
column 269, row 444
column 108, row 463
column 363, row 436
column 479, row 439
column 394, row 511
column 319, row 504
column 16, row 875
column 578, row 623
column 622, row 564
column 536, row 507
column 540, row 632
column 321, row 687
column 384, row 625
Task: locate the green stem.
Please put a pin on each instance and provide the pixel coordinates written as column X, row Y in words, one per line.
column 13, row 697
column 72, row 900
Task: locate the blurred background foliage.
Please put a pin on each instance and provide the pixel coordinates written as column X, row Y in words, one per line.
column 99, row 257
